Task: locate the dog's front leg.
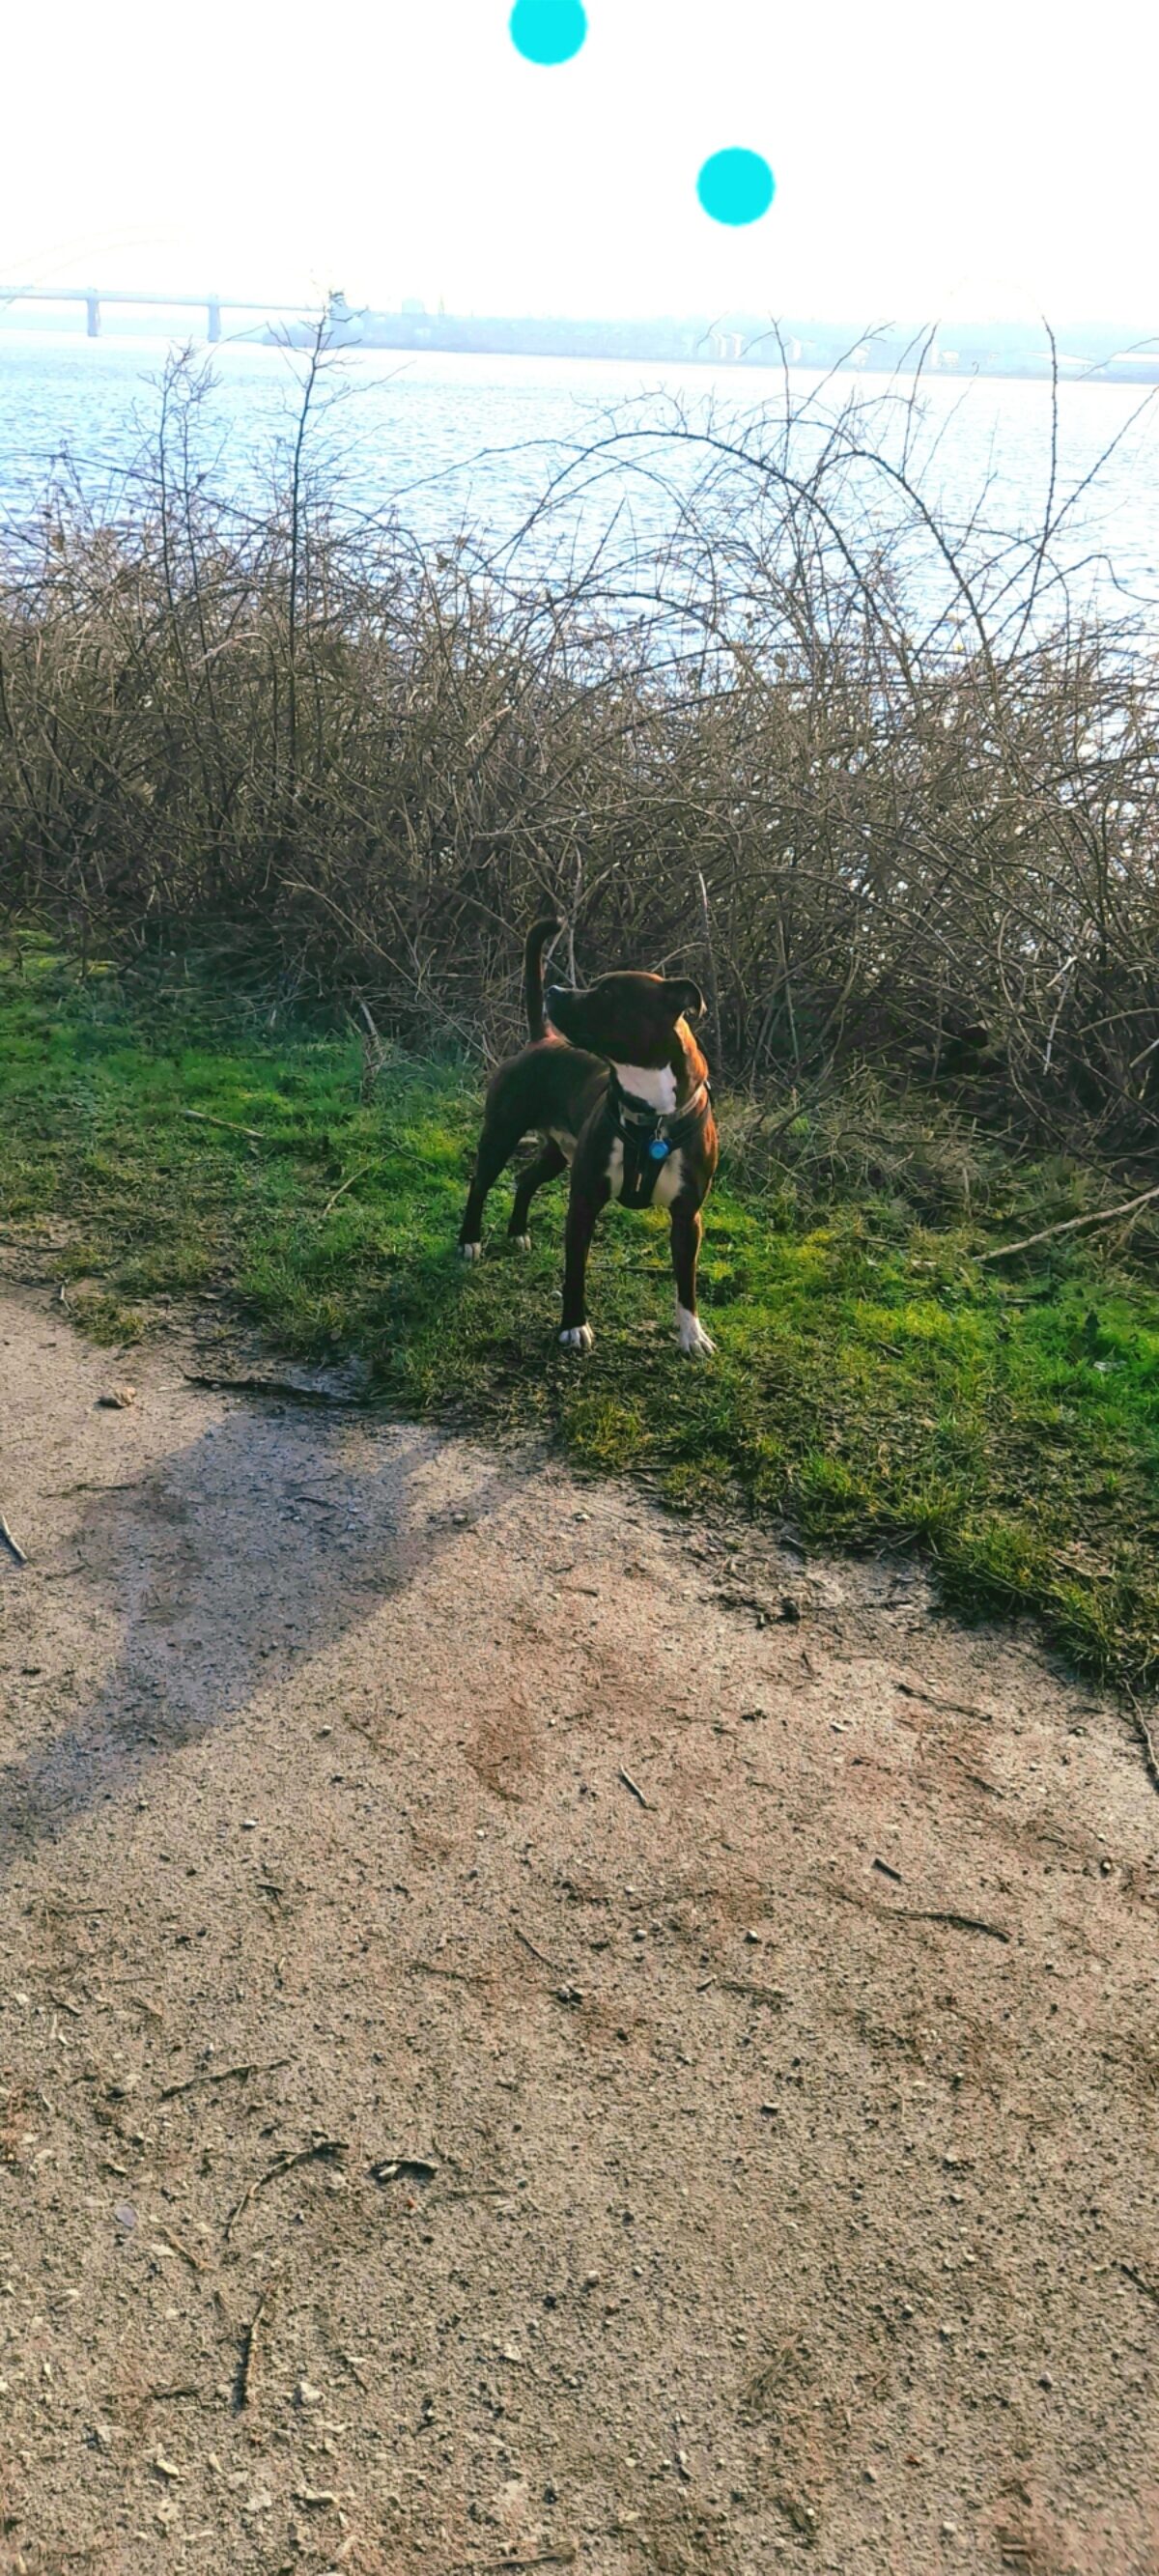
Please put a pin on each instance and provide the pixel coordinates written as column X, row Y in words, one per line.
column 583, row 1208
column 690, row 1332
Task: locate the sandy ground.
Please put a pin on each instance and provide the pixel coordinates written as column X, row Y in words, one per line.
column 518, row 2049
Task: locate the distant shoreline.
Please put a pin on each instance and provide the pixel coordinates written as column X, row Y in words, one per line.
column 740, row 344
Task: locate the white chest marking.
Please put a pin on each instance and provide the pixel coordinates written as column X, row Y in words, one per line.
column 654, row 1083
column 668, row 1180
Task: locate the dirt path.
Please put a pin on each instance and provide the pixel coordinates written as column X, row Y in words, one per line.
column 638, row 2080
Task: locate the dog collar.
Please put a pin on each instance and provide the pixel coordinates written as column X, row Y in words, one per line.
column 661, row 1126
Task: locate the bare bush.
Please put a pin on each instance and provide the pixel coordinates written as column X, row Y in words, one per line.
column 898, row 772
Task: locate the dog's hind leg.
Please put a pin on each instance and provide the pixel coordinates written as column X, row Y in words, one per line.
column 546, row 1167
column 496, row 1147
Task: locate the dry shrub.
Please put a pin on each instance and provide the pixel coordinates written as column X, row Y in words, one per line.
column 883, row 777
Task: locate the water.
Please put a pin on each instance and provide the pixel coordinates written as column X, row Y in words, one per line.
column 448, row 440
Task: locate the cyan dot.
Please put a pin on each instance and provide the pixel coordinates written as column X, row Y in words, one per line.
column 736, row 187
column 548, row 31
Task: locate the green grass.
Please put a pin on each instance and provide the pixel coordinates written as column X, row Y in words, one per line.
column 873, row 1384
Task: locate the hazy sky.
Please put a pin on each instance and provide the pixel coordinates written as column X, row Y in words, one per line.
column 993, row 160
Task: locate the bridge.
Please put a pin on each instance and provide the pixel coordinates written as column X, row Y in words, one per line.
column 94, row 298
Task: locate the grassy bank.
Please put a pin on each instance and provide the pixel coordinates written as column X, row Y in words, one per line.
column 874, row 1384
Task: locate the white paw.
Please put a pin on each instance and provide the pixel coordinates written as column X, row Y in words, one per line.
column 691, row 1335
column 471, row 1251
column 522, row 1242
column 580, row 1337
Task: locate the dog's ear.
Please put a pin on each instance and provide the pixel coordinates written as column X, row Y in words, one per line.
column 686, row 997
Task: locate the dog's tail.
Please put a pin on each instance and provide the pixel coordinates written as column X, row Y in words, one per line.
column 537, row 939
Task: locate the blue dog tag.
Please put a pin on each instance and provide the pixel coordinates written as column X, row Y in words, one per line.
column 658, row 1150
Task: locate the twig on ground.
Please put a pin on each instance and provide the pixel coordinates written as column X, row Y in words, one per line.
column 1143, row 1731
column 957, row 1922
column 321, row 2149
column 1148, row 2288
column 541, row 1955
column 268, row 1386
column 757, row 1994
column 1072, row 1225
column 634, row 1786
column 10, row 1542
column 230, row 1125
column 222, row 2075
column 916, row 1913
column 249, row 2349
column 347, row 1184
column 952, row 1707
column 458, row 1976
column 176, row 2247
column 564, row 2554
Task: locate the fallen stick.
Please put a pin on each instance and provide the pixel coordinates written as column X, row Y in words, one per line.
column 9, row 1541
column 332, row 1202
column 565, row 2555
column 249, row 2348
column 633, row 1785
column 222, row 2075
column 176, row 2247
column 957, row 1922
column 322, row 2148
column 541, row 1955
column 1140, row 2280
column 268, row 1386
column 1072, row 1225
column 1143, row 1731
column 230, row 1125
column 458, row 1976
column 952, row 1707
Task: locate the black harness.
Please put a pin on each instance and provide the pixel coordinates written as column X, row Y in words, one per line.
column 649, row 1136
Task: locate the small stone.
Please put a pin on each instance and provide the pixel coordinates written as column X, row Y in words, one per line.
column 949, row 2530
column 1106, row 1867
column 307, row 2394
column 167, row 2468
column 249, row 1824
column 1045, row 2380
column 118, row 1399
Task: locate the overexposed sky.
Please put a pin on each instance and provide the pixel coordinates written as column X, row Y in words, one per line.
column 993, row 161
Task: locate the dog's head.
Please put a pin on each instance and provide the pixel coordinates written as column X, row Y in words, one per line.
column 630, row 1019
